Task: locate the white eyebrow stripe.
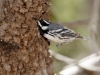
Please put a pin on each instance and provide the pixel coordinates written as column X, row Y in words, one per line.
column 39, row 24
column 43, row 27
column 46, row 22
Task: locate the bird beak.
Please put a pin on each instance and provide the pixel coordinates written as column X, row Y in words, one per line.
column 35, row 19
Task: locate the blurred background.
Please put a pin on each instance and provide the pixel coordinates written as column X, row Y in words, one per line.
column 74, row 14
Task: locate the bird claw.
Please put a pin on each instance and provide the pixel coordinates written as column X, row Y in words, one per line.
column 61, row 44
column 57, row 45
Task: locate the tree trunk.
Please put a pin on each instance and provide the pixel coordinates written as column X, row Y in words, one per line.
column 23, row 51
column 95, row 27
column 95, row 30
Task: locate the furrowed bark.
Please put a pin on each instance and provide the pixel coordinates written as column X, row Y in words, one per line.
column 23, row 51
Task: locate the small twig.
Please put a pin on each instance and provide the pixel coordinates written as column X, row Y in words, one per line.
column 62, row 57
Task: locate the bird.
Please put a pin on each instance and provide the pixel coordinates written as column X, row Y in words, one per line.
column 56, row 32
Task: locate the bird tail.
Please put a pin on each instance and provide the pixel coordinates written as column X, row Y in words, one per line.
column 78, row 36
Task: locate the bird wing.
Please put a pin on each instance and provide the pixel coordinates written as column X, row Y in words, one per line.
column 61, row 32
